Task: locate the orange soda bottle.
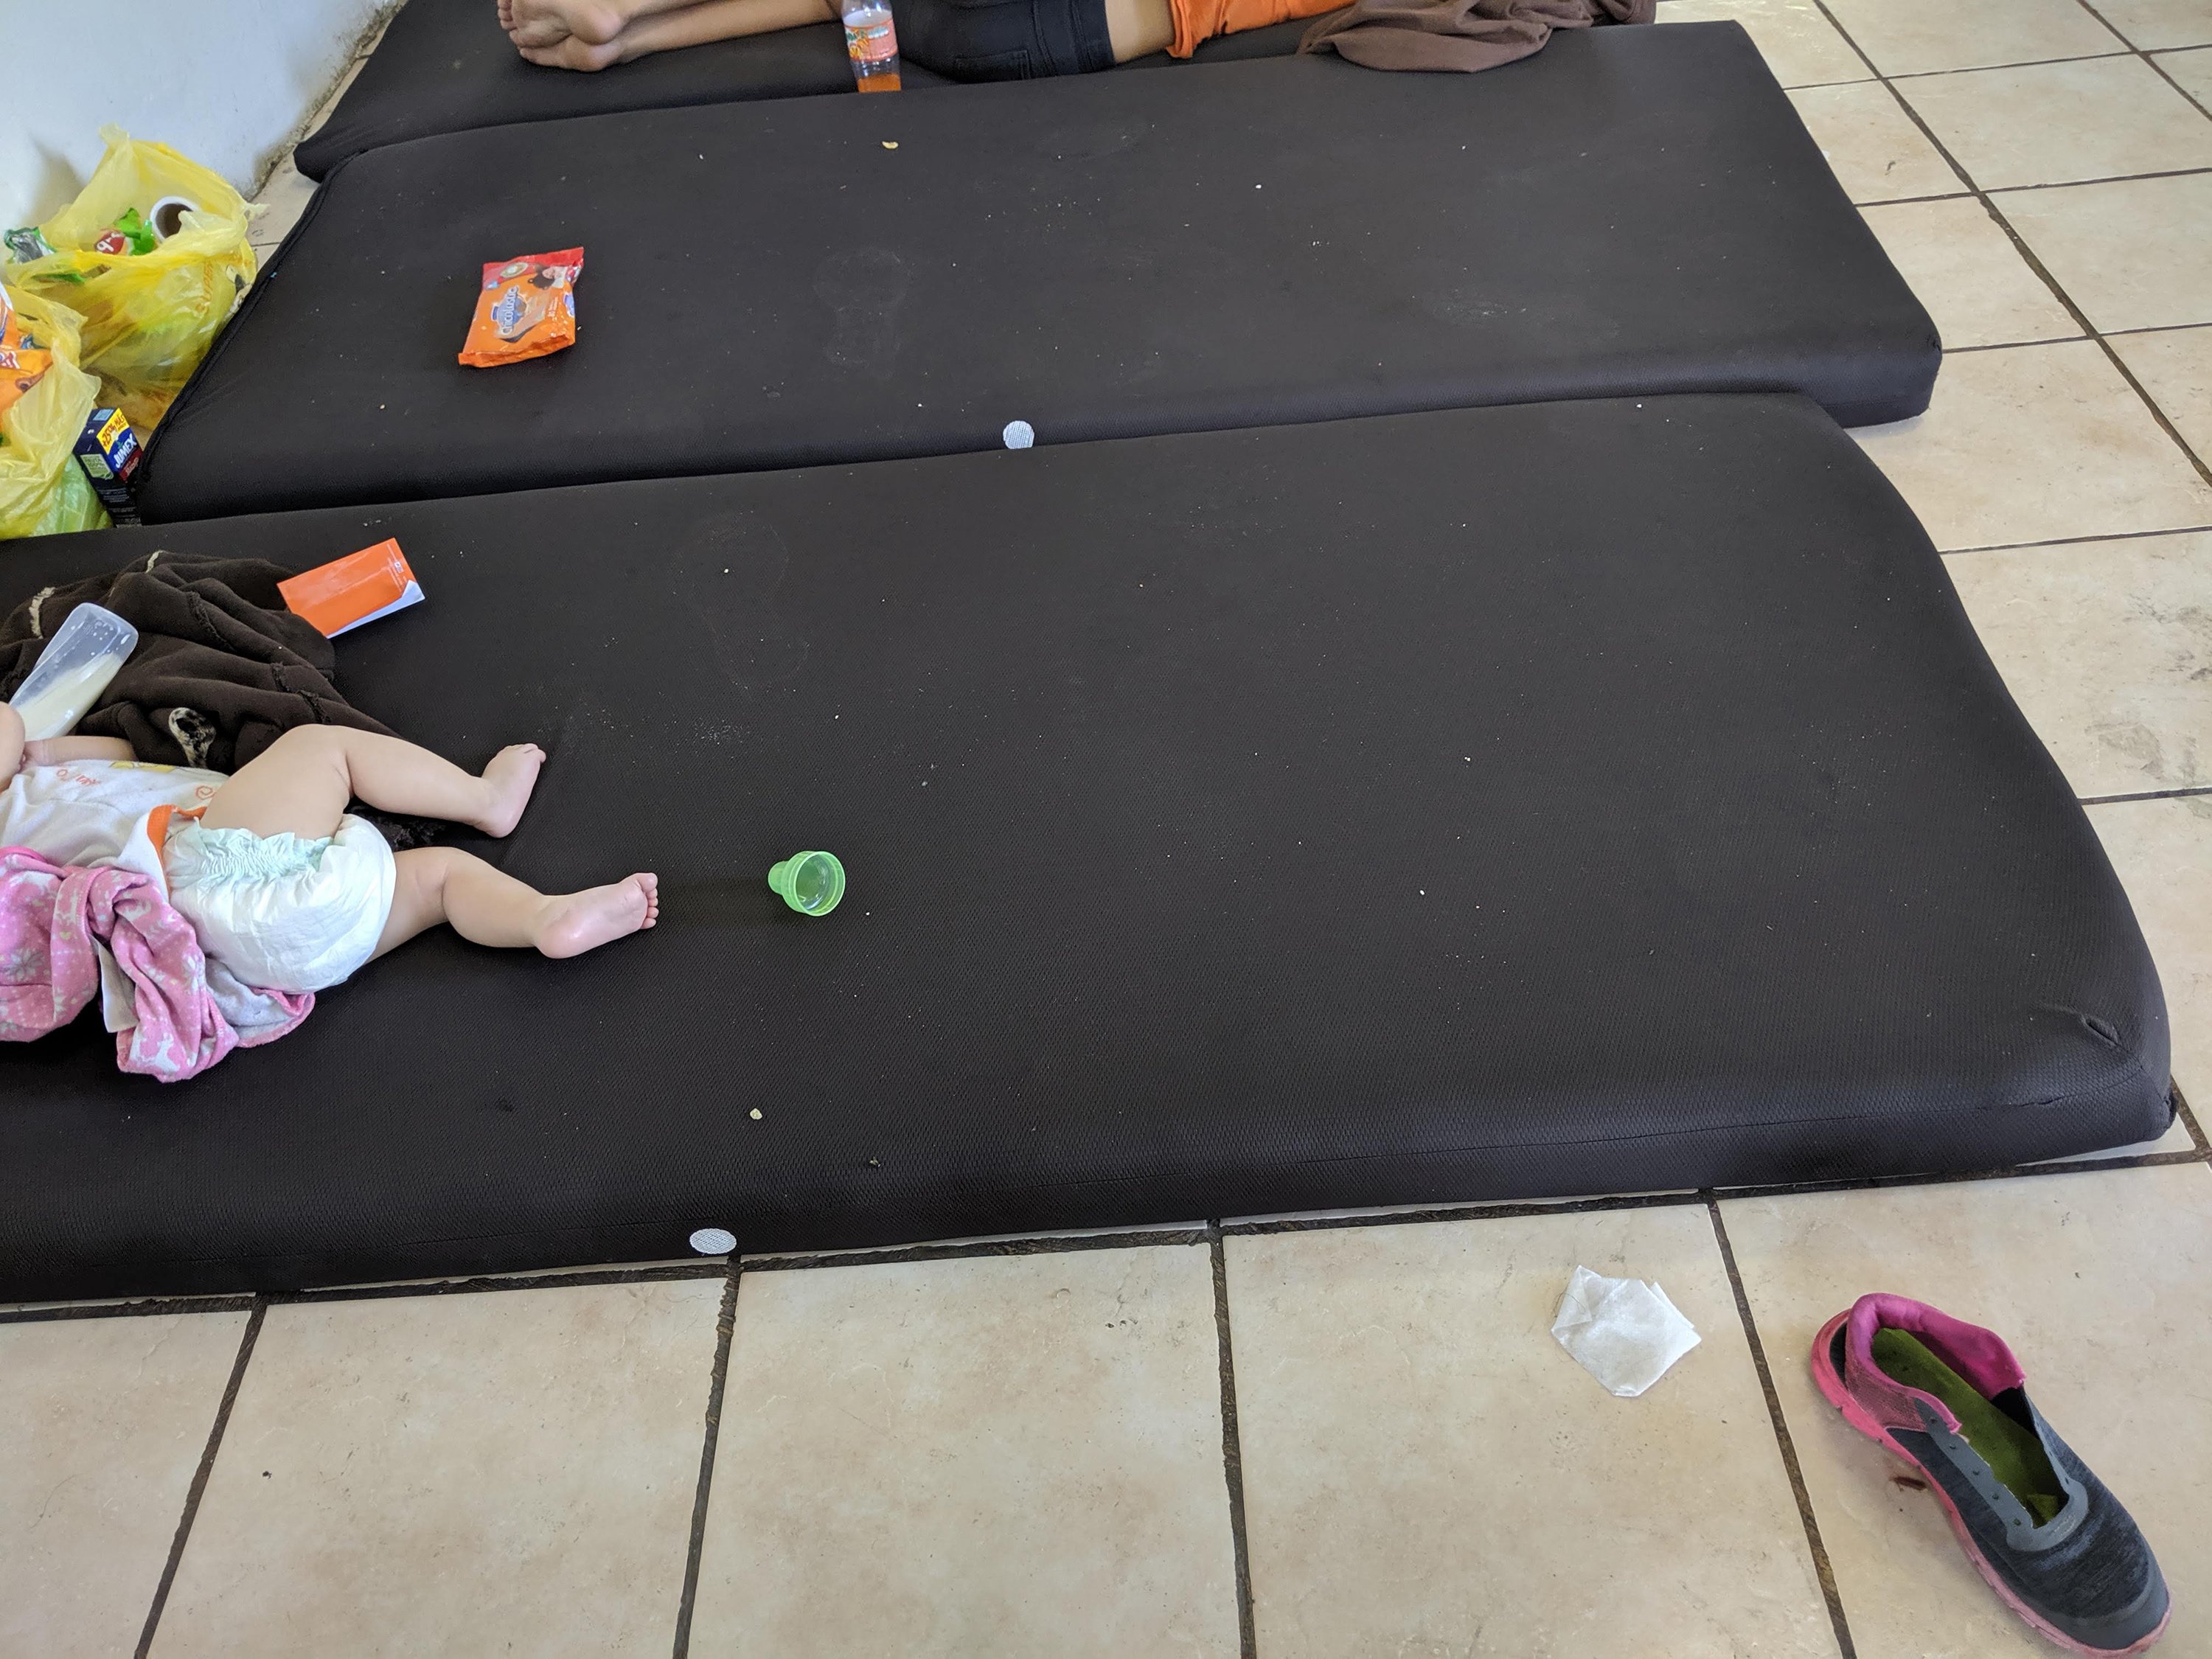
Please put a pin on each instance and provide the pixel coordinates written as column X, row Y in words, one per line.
column 872, row 43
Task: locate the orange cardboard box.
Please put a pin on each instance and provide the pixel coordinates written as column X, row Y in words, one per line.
column 356, row 589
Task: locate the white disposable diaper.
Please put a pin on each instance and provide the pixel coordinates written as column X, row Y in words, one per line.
column 284, row 913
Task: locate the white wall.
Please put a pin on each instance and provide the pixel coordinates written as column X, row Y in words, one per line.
column 225, row 81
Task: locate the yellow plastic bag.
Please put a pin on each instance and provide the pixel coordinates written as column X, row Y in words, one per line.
column 149, row 317
column 42, row 490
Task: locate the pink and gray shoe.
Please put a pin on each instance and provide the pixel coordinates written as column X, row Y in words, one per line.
column 1948, row 1398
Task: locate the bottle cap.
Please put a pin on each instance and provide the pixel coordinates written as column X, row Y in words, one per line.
column 809, row 882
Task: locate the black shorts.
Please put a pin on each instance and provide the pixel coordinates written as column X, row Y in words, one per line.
column 1004, row 39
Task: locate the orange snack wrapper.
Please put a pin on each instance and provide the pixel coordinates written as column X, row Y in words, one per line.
column 526, row 308
column 22, row 360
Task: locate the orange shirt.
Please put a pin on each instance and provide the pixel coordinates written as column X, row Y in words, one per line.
column 1201, row 20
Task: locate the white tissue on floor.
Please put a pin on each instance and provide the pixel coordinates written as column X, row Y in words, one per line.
column 1622, row 1331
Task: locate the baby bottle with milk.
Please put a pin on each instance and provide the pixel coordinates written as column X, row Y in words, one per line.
column 74, row 669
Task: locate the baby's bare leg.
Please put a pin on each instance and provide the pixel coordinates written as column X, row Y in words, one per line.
column 443, row 883
column 302, row 781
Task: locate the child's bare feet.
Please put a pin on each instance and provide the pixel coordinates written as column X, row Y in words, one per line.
column 574, row 53
column 577, row 922
column 508, row 782
column 539, row 23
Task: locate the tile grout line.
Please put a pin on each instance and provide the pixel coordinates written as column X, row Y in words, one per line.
column 1232, row 1449
column 725, row 1324
column 1049, row 1245
column 2122, row 50
column 2068, row 541
column 2003, row 345
column 2031, row 1171
column 584, row 1278
column 1909, row 201
column 2181, row 793
column 2020, row 247
column 2157, row 67
column 1822, row 1568
column 129, row 1308
column 2154, row 328
column 1474, row 1210
column 246, row 1341
column 2189, row 1122
column 2023, row 190
column 2101, row 178
column 2054, row 339
column 567, row 1280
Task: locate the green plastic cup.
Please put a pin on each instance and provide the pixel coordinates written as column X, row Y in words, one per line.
column 809, row 882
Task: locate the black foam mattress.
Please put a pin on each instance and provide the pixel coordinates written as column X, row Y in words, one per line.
column 1632, row 211
column 1553, row 799
column 447, row 66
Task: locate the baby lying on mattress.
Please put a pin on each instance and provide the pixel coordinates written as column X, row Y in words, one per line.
column 283, row 888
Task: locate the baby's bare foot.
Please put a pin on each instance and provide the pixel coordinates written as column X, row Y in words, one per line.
column 540, row 23
column 577, row 922
column 508, row 781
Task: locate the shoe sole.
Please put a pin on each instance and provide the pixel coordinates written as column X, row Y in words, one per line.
column 1832, row 1388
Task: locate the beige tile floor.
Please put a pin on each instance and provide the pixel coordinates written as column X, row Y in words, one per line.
column 1352, row 1438
column 2190, row 71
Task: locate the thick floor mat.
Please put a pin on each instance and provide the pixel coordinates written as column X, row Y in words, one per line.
column 447, row 66
column 1563, row 798
column 828, row 279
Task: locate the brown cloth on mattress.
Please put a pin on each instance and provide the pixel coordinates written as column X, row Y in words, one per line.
column 1465, row 35
column 221, row 667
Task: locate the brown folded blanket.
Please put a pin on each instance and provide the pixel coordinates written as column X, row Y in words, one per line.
column 1463, row 35
column 221, row 667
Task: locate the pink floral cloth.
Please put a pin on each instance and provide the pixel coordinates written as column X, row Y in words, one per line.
column 51, row 917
